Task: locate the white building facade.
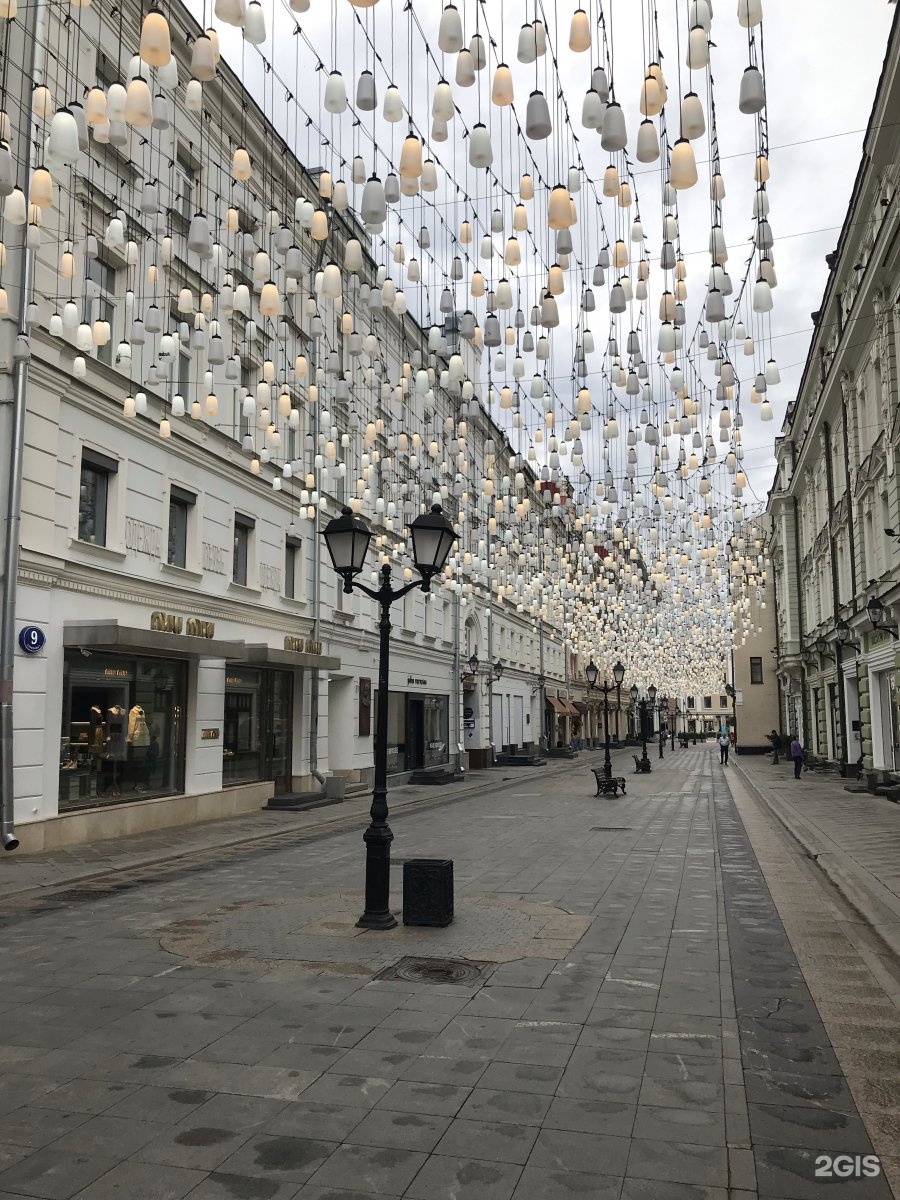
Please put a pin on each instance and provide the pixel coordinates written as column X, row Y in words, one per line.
column 198, row 654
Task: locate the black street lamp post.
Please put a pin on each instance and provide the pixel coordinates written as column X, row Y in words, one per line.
column 347, row 538
column 633, row 693
column 732, row 694
column 590, row 674
column 645, row 766
column 662, row 706
column 618, row 703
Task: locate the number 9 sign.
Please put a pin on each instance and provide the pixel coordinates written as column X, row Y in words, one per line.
column 31, row 639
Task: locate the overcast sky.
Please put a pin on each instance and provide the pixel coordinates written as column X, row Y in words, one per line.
column 822, row 60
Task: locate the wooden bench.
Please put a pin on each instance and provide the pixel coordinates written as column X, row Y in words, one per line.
column 639, row 767
column 606, row 786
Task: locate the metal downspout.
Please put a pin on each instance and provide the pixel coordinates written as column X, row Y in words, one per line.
column 39, row 14
column 457, row 684
column 835, row 595
column 805, row 707
column 317, row 567
column 490, row 669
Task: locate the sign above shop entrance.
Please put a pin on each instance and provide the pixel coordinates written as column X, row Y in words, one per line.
column 298, row 645
column 162, row 622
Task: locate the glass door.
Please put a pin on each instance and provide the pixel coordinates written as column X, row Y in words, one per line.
column 280, row 704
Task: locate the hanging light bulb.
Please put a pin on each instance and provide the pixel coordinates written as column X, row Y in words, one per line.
column 647, row 142
column 693, row 124
column 615, row 134
column 450, row 32
column 752, row 97
column 683, row 169
column 538, row 125
column 481, row 153
column 579, row 31
column 502, row 87
column 156, row 42
column 465, row 68
column 241, row 167
column 411, row 157
column 392, row 107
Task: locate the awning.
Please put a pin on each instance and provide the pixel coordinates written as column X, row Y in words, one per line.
column 110, row 635
column 581, row 707
column 570, row 709
column 268, row 656
column 557, row 704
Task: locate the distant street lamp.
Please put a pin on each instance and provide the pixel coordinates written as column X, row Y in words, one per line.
column 663, row 704
column 590, row 674
column 347, row 538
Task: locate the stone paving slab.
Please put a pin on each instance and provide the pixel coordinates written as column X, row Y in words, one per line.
column 170, row 1040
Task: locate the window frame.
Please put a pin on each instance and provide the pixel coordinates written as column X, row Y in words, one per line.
column 248, row 526
column 753, row 660
column 293, row 550
column 707, row 701
column 101, row 466
column 181, row 498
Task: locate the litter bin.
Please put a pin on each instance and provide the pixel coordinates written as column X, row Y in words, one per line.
column 428, row 891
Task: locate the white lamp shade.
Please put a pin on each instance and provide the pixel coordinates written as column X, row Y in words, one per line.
column 579, row 32
column 335, row 98
column 502, row 87
column 156, row 42
column 538, row 125
column 647, row 142
column 450, row 32
column 255, row 24
column 693, row 123
column 752, row 98
column 481, row 153
column 683, row 169
column 615, row 134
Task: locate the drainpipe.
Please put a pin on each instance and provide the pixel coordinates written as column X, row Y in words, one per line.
column 317, row 572
column 797, row 575
column 835, row 594
column 490, row 667
column 38, row 14
column 543, row 740
column 457, row 684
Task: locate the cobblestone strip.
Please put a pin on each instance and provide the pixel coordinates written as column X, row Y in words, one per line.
column 820, row 1037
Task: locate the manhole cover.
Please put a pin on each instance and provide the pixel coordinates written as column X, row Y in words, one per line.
column 611, row 828
column 434, row 970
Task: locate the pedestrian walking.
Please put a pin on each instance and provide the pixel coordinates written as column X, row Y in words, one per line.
column 724, row 747
column 776, row 746
column 797, row 754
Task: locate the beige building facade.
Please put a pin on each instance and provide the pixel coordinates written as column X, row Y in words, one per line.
column 833, row 547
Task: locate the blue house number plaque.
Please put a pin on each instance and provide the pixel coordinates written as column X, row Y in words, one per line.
column 32, row 639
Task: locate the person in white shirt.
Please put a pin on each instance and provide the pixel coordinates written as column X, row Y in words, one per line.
column 724, row 746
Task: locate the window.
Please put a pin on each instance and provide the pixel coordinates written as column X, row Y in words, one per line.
column 756, row 675
column 187, row 182
column 93, row 496
column 690, row 701
column 180, row 503
column 723, row 702
column 707, row 701
column 102, row 293
column 243, row 528
column 291, row 558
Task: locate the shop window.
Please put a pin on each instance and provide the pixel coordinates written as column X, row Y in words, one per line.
column 181, row 504
column 97, row 473
column 122, row 734
column 243, row 534
column 292, row 559
column 102, row 290
column 756, row 670
column 707, row 701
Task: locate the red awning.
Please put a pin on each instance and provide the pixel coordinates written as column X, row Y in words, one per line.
column 559, row 705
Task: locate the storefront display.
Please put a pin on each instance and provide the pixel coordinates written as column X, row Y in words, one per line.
column 257, row 738
column 122, row 729
column 418, row 731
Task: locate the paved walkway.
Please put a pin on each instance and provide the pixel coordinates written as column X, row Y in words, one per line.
column 22, row 872
column 641, row 1024
column 854, row 838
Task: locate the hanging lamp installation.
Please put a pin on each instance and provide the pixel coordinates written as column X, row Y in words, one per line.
column 503, row 241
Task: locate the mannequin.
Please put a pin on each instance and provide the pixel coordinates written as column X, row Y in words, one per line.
column 138, row 732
